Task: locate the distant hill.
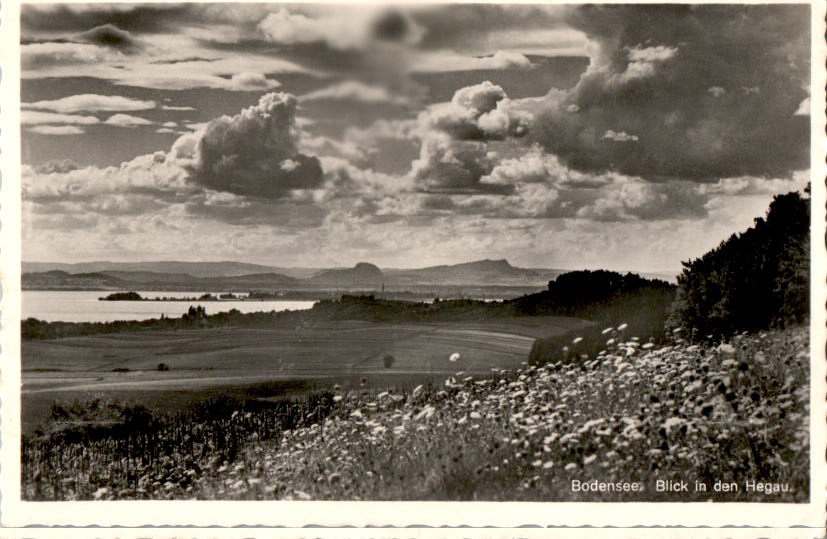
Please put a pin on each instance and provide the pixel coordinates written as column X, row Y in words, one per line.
column 61, row 280
column 491, row 272
column 239, row 276
column 194, row 269
column 362, row 274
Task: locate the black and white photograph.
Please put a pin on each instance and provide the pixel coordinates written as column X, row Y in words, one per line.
column 442, row 252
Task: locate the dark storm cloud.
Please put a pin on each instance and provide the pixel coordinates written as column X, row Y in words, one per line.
column 149, row 18
column 652, row 77
column 254, row 153
column 109, row 35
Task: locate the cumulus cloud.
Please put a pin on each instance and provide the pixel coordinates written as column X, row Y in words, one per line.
column 56, row 130
column 351, row 90
column 90, row 103
column 648, row 74
column 448, row 166
column 482, row 111
column 245, row 153
column 126, row 120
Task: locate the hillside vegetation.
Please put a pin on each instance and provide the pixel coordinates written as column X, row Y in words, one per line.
column 753, row 280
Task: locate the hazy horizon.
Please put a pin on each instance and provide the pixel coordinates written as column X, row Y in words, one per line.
column 630, row 137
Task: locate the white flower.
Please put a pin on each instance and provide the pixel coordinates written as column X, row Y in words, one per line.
column 576, row 340
column 454, row 357
column 623, row 326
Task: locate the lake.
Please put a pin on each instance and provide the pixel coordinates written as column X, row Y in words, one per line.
column 83, row 306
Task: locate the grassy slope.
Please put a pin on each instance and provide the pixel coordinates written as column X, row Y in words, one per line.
column 72, row 368
column 733, row 412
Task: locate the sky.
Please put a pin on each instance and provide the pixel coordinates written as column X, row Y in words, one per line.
column 616, row 137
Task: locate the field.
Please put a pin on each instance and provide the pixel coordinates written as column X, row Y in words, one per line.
column 309, row 356
column 734, row 412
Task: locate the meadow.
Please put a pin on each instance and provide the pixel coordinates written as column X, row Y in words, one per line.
column 124, row 367
column 735, row 411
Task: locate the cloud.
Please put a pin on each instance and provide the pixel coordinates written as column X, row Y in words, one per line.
column 803, row 108
column 245, row 154
column 649, row 74
column 444, row 61
column 250, row 82
column 61, row 166
column 482, row 111
column 447, row 166
column 177, row 108
column 109, row 35
column 343, row 28
column 37, row 56
column 29, row 117
column 716, row 91
column 126, row 120
column 621, row 136
column 351, row 90
column 90, row 103
column 56, row 130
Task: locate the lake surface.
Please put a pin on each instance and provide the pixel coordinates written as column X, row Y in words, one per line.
column 83, row 306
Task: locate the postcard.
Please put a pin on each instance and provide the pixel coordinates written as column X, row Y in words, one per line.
column 418, row 270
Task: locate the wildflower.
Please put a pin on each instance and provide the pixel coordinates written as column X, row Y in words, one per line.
column 570, row 466
column 588, row 460
column 418, row 390
column 547, row 465
column 607, row 331
column 337, row 398
column 356, row 414
column 454, row 357
column 622, row 326
column 576, row 340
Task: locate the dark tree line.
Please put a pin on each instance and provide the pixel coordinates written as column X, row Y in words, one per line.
column 754, row 280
